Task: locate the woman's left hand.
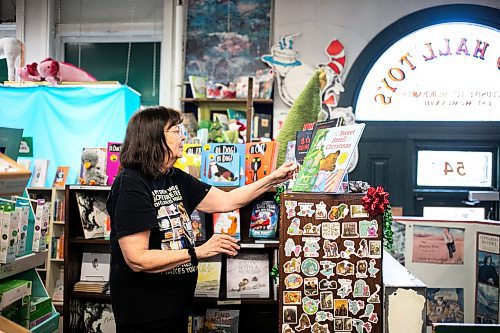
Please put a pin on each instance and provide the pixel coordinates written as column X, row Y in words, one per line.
column 283, row 173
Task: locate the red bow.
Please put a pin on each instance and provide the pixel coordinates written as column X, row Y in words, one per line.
column 375, row 201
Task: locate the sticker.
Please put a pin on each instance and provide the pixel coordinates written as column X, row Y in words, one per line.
column 326, row 300
column 374, row 298
column 375, row 249
column 318, row 328
column 330, row 230
column 370, row 314
column 368, row 229
column 311, row 246
column 328, row 268
column 321, row 212
column 290, row 248
column 311, row 230
column 345, row 287
column 323, row 316
column 294, row 228
column 340, row 306
column 310, row 267
column 349, row 249
column 289, row 314
column 361, row 289
column 347, row 324
column 330, row 249
column 355, row 306
column 358, row 211
column 361, row 268
column 309, row 305
column 350, row 230
column 304, row 322
column 338, row 212
column 292, row 297
column 311, row 286
column 325, row 284
column 292, row 266
column 306, row 209
column 287, row 329
column 372, row 269
column 293, row 281
column 359, row 325
column 362, row 250
column 290, row 208
column 338, row 324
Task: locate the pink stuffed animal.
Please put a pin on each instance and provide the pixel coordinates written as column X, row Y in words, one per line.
column 53, row 71
column 29, row 73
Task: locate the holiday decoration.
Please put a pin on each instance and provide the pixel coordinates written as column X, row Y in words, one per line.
column 376, row 202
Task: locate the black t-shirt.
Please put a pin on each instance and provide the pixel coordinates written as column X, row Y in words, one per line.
column 163, row 206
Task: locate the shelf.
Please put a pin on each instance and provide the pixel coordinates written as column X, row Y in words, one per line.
column 225, row 100
column 256, row 245
column 86, row 187
column 93, row 296
column 23, row 263
column 81, row 240
column 56, row 260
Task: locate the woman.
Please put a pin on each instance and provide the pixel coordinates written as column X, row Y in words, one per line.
column 449, row 241
column 154, row 261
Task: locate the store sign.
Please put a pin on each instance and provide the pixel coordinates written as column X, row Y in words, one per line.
column 454, row 168
column 444, row 72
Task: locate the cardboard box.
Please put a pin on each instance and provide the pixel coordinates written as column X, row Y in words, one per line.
column 15, row 298
column 40, row 310
column 13, row 176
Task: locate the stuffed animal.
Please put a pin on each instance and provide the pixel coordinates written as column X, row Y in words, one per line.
column 29, row 72
column 11, row 49
column 53, row 71
column 92, row 175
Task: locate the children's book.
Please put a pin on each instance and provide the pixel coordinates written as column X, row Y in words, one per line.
column 198, row 86
column 221, row 321
column 262, row 125
column 95, row 267
column 93, row 166
column 260, row 160
column 290, row 152
column 60, row 176
column 336, row 122
column 302, row 143
column 113, row 161
column 198, row 225
column 209, row 272
column 264, row 219
column 190, row 123
column 248, row 276
column 242, row 87
column 265, row 78
column 222, row 164
column 227, row 223
column 39, row 175
column 190, row 162
column 326, row 162
column 98, row 317
column 93, row 214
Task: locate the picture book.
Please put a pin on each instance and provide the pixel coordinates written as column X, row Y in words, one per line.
column 95, row 267
column 326, row 161
column 60, row 176
column 221, row 321
column 92, row 208
column 198, row 225
column 248, row 276
column 265, row 78
column 242, row 87
column 98, row 317
column 264, row 219
column 113, row 161
column 190, row 162
column 198, row 86
column 39, row 175
column 222, row 164
column 227, row 223
column 93, row 166
column 290, row 152
column 302, row 143
column 190, row 123
column 209, row 272
column 336, row 122
column 262, row 124
column 260, row 160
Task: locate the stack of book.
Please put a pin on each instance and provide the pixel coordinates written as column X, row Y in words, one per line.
column 94, row 275
column 91, row 287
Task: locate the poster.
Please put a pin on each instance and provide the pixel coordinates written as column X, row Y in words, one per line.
column 445, row 305
column 487, row 278
column 438, row 245
column 487, row 301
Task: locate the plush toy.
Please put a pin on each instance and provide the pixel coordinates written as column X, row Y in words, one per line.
column 53, row 71
column 11, row 49
column 91, row 173
column 29, row 72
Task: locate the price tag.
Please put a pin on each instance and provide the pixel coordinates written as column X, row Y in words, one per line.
column 251, row 246
column 229, row 302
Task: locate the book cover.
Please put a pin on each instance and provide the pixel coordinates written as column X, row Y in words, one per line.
column 248, row 276
column 302, row 143
column 98, row 317
column 60, row 176
column 93, row 166
column 113, row 161
column 198, row 225
column 198, row 86
column 95, row 267
column 39, row 175
column 336, row 122
column 209, row 272
column 92, row 208
column 190, row 123
column 221, row 321
column 264, row 219
column 262, row 123
column 326, row 161
column 265, row 78
column 221, row 164
column 227, row 223
column 242, row 87
column 260, row 160
column 190, row 162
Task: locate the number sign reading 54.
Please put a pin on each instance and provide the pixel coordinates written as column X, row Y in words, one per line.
column 460, row 168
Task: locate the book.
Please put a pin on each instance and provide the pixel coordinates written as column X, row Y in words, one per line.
column 222, row 164
column 242, row 87
column 262, row 123
column 190, row 162
column 60, row 176
column 260, row 160
column 93, row 166
column 335, row 122
column 302, row 143
column 221, row 321
column 248, row 276
column 58, row 295
column 198, row 86
column 39, row 175
column 98, row 317
column 95, row 267
column 209, row 273
column 227, row 223
column 92, row 208
column 113, row 161
column 326, row 162
column 190, row 123
column 265, row 79
column 198, row 225
column 264, row 219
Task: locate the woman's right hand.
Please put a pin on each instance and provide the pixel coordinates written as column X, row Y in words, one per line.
column 218, row 243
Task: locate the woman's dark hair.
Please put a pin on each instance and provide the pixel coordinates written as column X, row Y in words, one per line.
column 485, row 260
column 144, row 147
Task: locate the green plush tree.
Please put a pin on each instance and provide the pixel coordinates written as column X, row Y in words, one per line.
column 304, row 110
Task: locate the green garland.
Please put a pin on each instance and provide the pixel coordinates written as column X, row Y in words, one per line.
column 387, row 225
column 277, row 197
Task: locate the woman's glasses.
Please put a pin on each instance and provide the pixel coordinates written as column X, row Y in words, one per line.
column 179, row 130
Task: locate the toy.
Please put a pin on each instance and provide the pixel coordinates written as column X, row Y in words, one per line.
column 11, row 49
column 53, row 72
column 91, row 173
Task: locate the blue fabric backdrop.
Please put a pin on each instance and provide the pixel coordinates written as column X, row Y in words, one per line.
column 63, row 120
